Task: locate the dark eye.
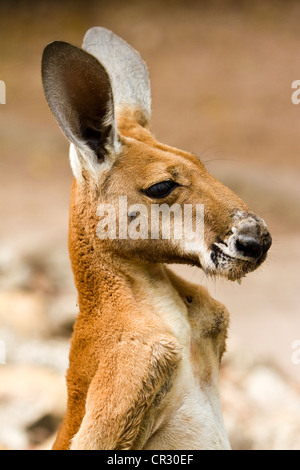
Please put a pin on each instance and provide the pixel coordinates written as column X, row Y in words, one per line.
column 160, row 190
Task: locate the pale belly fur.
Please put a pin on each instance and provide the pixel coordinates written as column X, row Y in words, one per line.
column 191, row 417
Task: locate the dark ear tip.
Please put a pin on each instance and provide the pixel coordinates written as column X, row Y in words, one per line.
column 50, row 51
column 53, row 46
column 56, row 50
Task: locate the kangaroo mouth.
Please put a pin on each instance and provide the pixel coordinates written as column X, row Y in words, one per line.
column 232, row 266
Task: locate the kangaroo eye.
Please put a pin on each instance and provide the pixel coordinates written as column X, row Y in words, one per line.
column 160, row 190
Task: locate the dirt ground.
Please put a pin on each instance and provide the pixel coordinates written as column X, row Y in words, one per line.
column 221, row 76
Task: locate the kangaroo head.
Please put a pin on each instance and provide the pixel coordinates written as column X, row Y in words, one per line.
column 127, row 181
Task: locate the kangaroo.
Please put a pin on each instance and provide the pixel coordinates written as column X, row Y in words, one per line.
column 147, row 345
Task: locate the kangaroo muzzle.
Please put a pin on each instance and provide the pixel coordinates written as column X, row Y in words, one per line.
column 244, row 249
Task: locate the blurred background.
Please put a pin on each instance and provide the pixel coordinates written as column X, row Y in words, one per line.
column 221, row 75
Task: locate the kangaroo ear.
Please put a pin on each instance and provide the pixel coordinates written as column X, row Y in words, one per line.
column 78, row 90
column 128, row 71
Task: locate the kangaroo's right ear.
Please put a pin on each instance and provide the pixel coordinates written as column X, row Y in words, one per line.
column 78, row 90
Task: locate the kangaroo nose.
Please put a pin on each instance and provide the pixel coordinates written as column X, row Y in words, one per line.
column 251, row 243
column 249, row 247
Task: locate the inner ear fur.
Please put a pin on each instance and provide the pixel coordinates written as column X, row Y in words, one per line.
column 79, row 93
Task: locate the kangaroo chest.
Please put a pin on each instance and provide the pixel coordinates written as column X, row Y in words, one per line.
column 190, row 414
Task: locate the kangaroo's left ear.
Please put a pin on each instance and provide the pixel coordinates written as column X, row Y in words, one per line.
column 79, row 93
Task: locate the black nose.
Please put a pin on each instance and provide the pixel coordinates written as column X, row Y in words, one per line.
column 254, row 247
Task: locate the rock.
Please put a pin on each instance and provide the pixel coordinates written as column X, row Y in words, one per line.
column 261, row 406
column 24, row 312
column 14, row 273
column 31, row 398
column 270, row 390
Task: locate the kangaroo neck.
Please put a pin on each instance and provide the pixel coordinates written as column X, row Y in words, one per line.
column 99, row 273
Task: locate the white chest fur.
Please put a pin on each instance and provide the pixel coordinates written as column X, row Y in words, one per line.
column 191, row 417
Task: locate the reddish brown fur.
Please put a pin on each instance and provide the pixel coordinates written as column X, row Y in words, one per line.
column 147, row 345
column 112, row 334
